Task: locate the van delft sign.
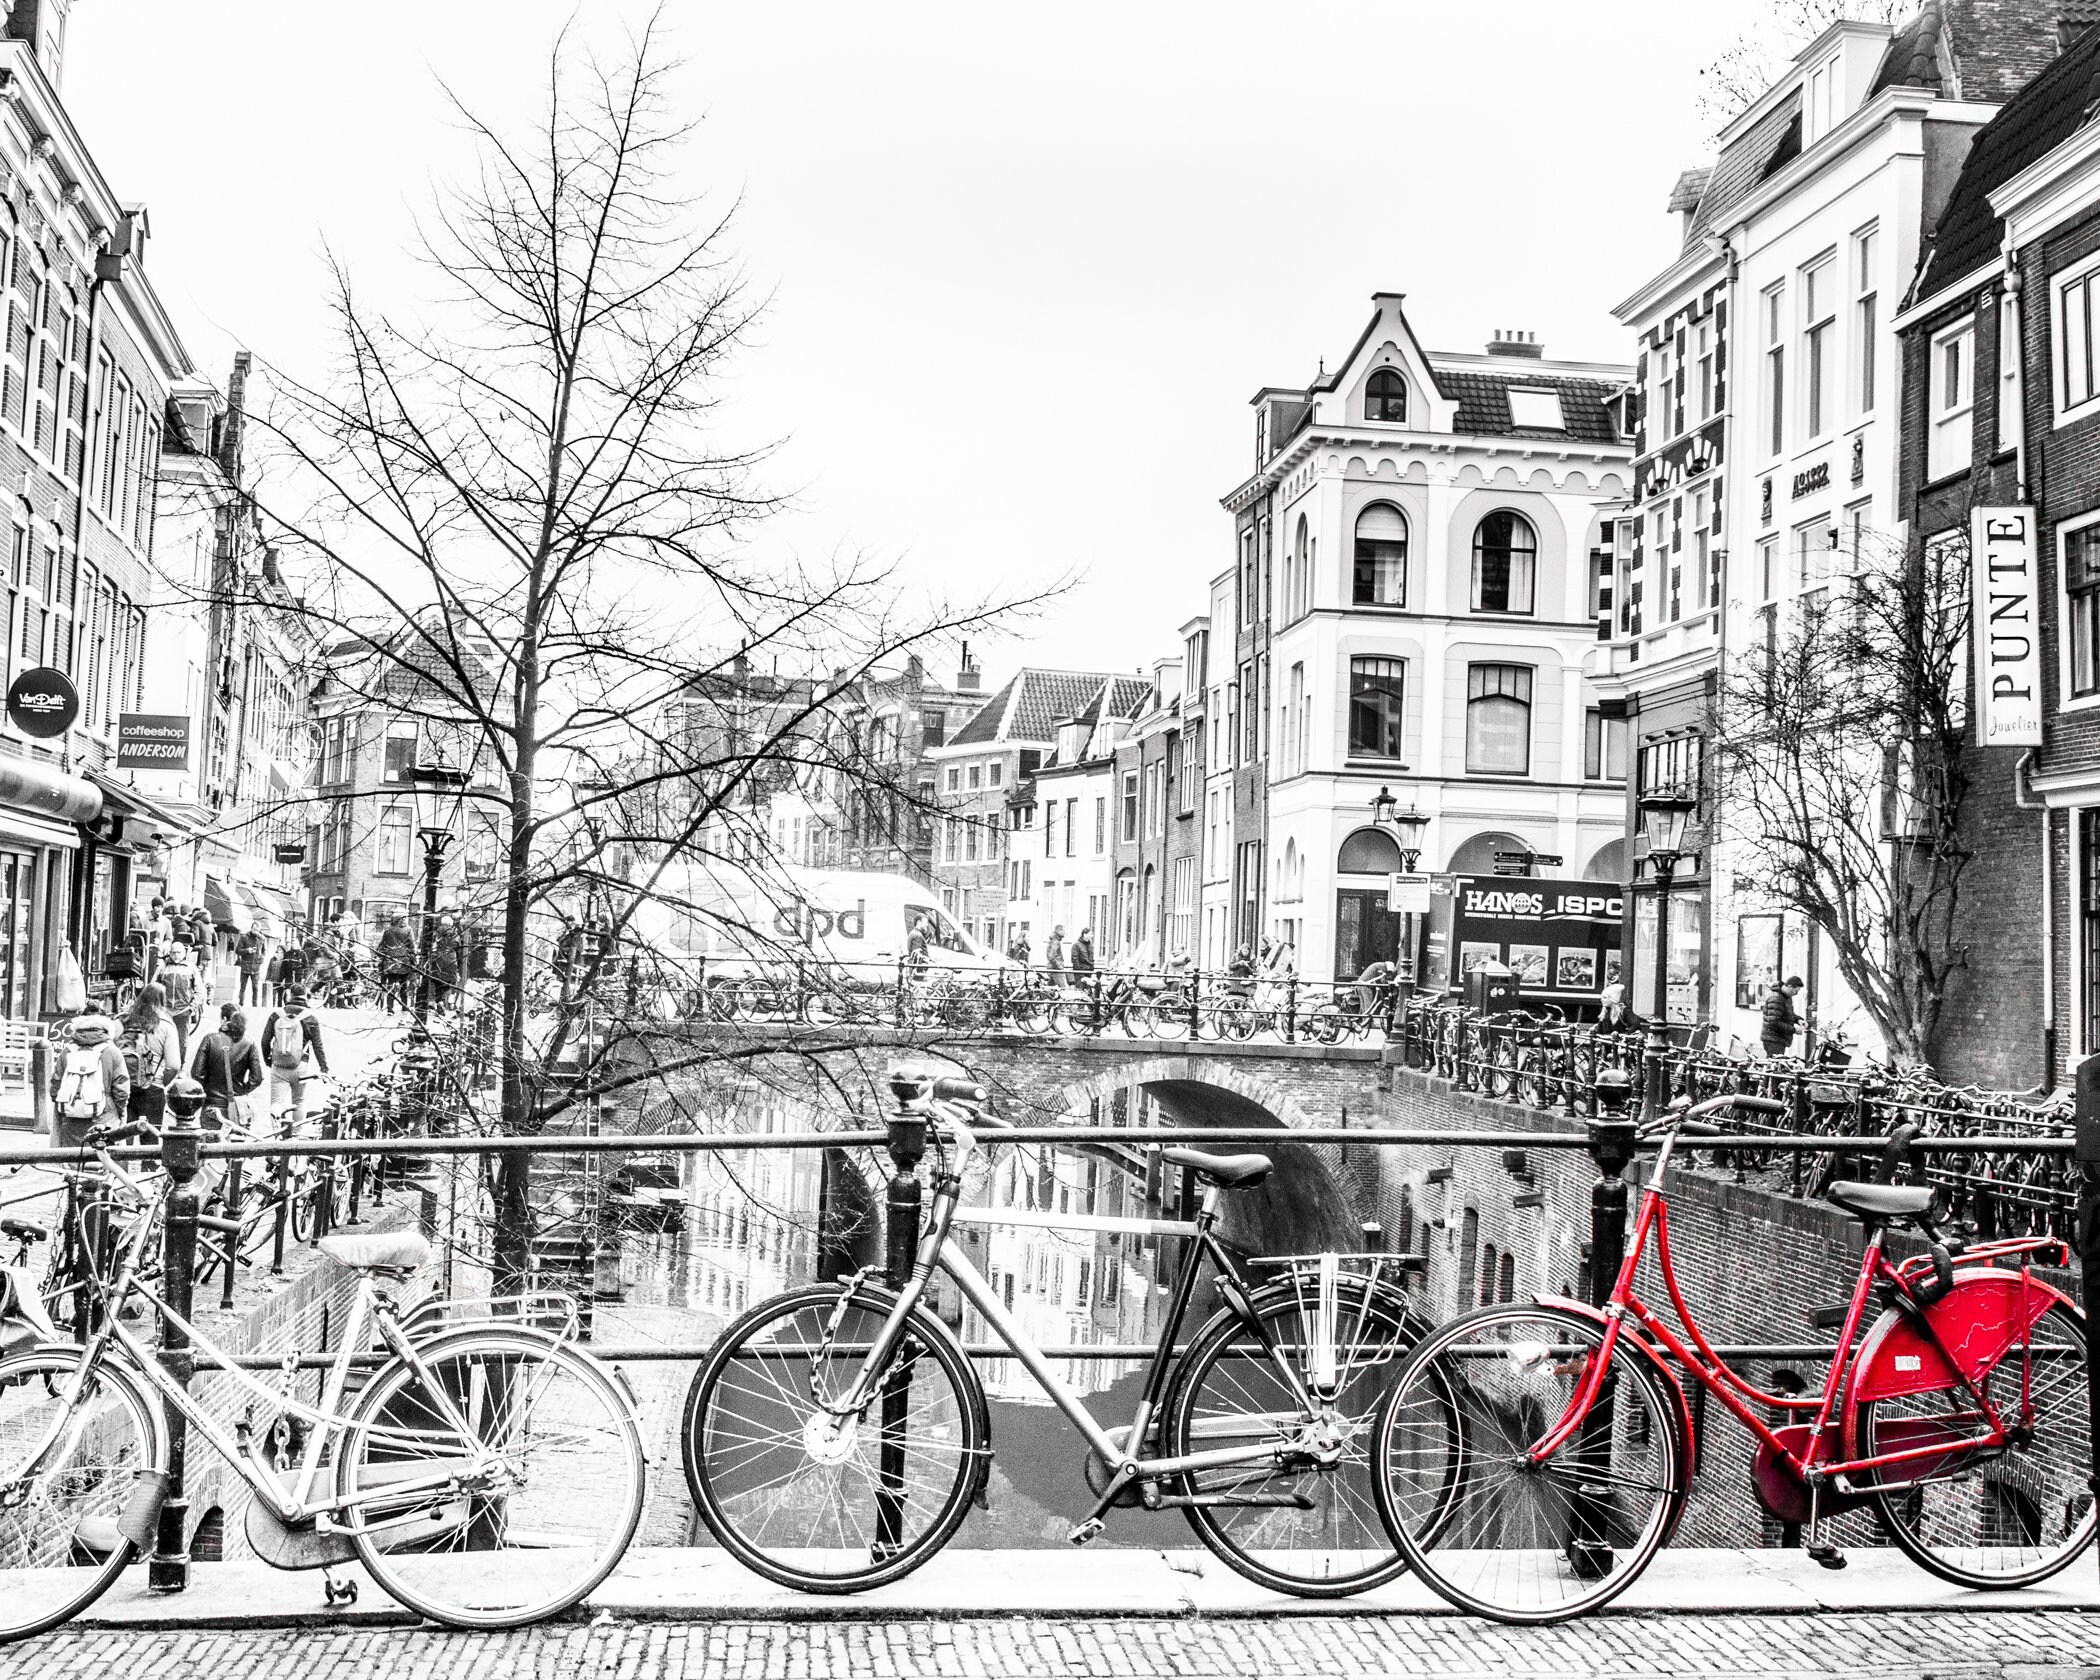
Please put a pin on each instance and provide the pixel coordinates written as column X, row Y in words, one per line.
column 2007, row 627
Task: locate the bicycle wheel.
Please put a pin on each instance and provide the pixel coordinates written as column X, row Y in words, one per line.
column 538, row 1470
column 805, row 1499
column 1997, row 1519
column 60, row 1548
column 1494, row 1533
column 1307, row 1524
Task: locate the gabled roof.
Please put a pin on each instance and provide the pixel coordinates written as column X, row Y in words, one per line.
column 1028, row 707
column 1743, row 165
column 2038, row 119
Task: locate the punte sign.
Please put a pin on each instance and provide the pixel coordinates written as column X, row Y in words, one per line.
column 2007, row 627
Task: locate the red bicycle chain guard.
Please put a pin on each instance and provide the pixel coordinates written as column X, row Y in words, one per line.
column 1978, row 1321
column 1781, row 1491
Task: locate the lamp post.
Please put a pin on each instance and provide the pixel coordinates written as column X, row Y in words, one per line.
column 1408, row 828
column 1664, row 817
column 438, row 780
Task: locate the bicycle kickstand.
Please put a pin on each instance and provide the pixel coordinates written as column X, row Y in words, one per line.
column 339, row 1594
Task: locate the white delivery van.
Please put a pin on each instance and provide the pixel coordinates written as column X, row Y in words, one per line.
column 724, row 923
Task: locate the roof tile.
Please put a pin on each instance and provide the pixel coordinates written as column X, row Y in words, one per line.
column 1483, row 403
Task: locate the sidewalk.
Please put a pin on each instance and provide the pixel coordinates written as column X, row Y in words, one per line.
column 703, row 1585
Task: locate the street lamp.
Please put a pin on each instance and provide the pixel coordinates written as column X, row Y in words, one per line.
column 1408, row 827
column 438, row 780
column 1664, row 817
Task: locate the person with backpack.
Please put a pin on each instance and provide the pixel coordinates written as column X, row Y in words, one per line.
column 91, row 1086
column 152, row 1051
column 291, row 1044
column 229, row 1065
column 179, row 980
column 291, row 970
column 248, row 957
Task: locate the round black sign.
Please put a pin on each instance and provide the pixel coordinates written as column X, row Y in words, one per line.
column 42, row 702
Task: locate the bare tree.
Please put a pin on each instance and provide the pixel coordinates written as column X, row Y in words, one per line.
column 517, row 516
column 1841, row 780
column 1759, row 56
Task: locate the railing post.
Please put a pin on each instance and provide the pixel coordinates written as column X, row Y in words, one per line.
column 169, row 1569
column 232, row 1202
column 1093, row 1009
column 1290, row 1007
column 907, row 1145
column 283, row 1175
column 1195, row 1004
column 2086, row 1151
column 1611, row 1145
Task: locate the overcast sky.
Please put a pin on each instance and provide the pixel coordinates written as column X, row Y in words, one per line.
column 1027, row 263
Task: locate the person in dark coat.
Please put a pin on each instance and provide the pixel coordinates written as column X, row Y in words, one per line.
column 447, row 953
column 397, row 963
column 249, row 955
column 1081, row 960
column 229, row 1065
column 1780, row 1020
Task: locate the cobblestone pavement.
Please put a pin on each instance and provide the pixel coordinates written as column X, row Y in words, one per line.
column 2011, row 1645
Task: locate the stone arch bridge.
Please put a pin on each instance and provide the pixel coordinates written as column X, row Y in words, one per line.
column 1108, row 1081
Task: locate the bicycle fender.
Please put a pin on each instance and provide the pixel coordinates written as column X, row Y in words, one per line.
column 1687, row 1440
column 1977, row 1323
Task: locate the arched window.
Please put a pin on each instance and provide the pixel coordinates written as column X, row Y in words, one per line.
column 1488, row 1255
column 1297, row 569
column 1369, row 851
column 1498, row 720
column 1505, row 564
column 1381, row 557
column 1385, row 396
column 1506, row 1278
column 1609, row 864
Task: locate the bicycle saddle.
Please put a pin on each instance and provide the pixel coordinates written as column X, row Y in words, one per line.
column 1233, row 1172
column 22, row 1230
column 401, row 1252
column 1881, row 1201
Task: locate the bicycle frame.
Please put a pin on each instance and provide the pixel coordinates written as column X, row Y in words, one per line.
column 368, row 1309
column 938, row 1250
column 1692, row 1350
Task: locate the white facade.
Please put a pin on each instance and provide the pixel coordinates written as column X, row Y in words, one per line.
column 1823, row 252
column 1214, row 946
column 1434, row 599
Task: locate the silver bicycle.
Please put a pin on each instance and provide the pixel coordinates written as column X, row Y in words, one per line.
column 486, row 1475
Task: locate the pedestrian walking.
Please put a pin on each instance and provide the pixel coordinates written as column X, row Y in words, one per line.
column 447, row 955
column 178, row 979
column 1054, row 956
column 229, row 1065
column 397, row 963
column 291, row 1045
column 1082, row 958
column 91, row 1086
column 152, row 1051
column 291, row 970
column 249, row 956
column 1780, row 1020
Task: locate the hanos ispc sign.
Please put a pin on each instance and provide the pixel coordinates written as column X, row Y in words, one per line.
column 42, row 703
column 153, row 741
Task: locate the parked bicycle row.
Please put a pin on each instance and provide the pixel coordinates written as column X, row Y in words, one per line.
column 1319, row 1433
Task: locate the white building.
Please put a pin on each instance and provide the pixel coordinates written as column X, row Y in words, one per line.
column 1800, row 248
column 1437, row 582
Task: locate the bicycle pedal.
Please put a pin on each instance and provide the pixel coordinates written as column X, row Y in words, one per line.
column 1828, row 1556
column 1086, row 1531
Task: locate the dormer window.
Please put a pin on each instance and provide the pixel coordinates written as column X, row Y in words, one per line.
column 1536, row 410
column 1385, row 397
column 1821, row 105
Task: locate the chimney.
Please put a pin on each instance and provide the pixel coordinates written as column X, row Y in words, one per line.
column 236, row 411
column 914, row 670
column 1516, row 344
column 967, row 679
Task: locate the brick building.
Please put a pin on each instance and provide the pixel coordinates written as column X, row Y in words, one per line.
column 2001, row 411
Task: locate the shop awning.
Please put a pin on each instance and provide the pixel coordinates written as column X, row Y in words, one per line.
column 41, row 804
column 270, row 908
column 223, row 908
column 142, row 815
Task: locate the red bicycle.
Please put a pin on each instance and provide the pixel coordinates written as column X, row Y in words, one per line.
column 1532, row 1459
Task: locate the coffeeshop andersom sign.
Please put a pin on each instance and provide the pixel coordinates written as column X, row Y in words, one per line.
column 2006, row 627
column 153, row 741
